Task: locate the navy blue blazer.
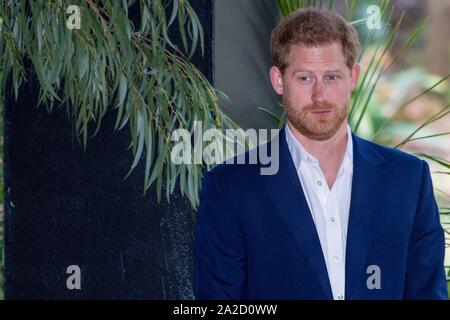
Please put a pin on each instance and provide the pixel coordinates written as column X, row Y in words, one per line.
column 255, row 237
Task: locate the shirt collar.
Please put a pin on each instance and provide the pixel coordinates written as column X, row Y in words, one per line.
column 299, row 153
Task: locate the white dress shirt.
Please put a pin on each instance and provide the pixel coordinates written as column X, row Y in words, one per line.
column 329, row 208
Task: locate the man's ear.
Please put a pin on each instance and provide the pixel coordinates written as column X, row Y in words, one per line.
column 276, row 78
column 355, row 75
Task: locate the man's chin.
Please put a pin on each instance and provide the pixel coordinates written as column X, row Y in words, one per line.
column 321, row 136
column 319, row 132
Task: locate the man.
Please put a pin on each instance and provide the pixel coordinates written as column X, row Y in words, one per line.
column 343, row 218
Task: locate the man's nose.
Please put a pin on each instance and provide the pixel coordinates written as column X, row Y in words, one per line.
column 318, row 91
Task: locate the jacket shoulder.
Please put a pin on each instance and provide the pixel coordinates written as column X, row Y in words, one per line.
column 394, row 157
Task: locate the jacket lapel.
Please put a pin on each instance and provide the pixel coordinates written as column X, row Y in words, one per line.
column 366, row 199
column 286, row 193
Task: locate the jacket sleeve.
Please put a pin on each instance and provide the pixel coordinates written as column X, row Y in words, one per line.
column 425, row 274
column 220, row 251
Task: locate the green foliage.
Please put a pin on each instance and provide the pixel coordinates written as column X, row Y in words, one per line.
column 2, row 239
column 2, row 245
column 448, row 287
column 109, row 63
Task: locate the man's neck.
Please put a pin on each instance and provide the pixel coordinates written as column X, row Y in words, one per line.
column 329, row 152
column 323, row 148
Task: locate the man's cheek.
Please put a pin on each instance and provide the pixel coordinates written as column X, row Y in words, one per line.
column 303, row 96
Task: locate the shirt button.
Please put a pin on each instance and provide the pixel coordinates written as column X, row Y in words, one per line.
column 332, row 219
column 335, row 258
column 319, row 183
column 340, row 297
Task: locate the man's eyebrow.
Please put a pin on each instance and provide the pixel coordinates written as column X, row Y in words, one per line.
column 334, row 71
column 302, row 70
column 311, row 71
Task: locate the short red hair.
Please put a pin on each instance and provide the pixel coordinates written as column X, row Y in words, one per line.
column 313, row 27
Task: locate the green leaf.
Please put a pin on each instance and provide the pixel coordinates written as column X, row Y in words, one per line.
column 174, row 12
column 436, row 159
column 270, row 114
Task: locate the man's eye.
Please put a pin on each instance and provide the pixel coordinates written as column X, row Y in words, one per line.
column 332, row 77
column 303, row 78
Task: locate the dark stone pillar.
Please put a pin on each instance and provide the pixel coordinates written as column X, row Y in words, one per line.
column 65, row 206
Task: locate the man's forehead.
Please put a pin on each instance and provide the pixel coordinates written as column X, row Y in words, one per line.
column 331, row 56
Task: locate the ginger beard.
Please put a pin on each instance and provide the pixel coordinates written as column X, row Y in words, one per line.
column 313, row 126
